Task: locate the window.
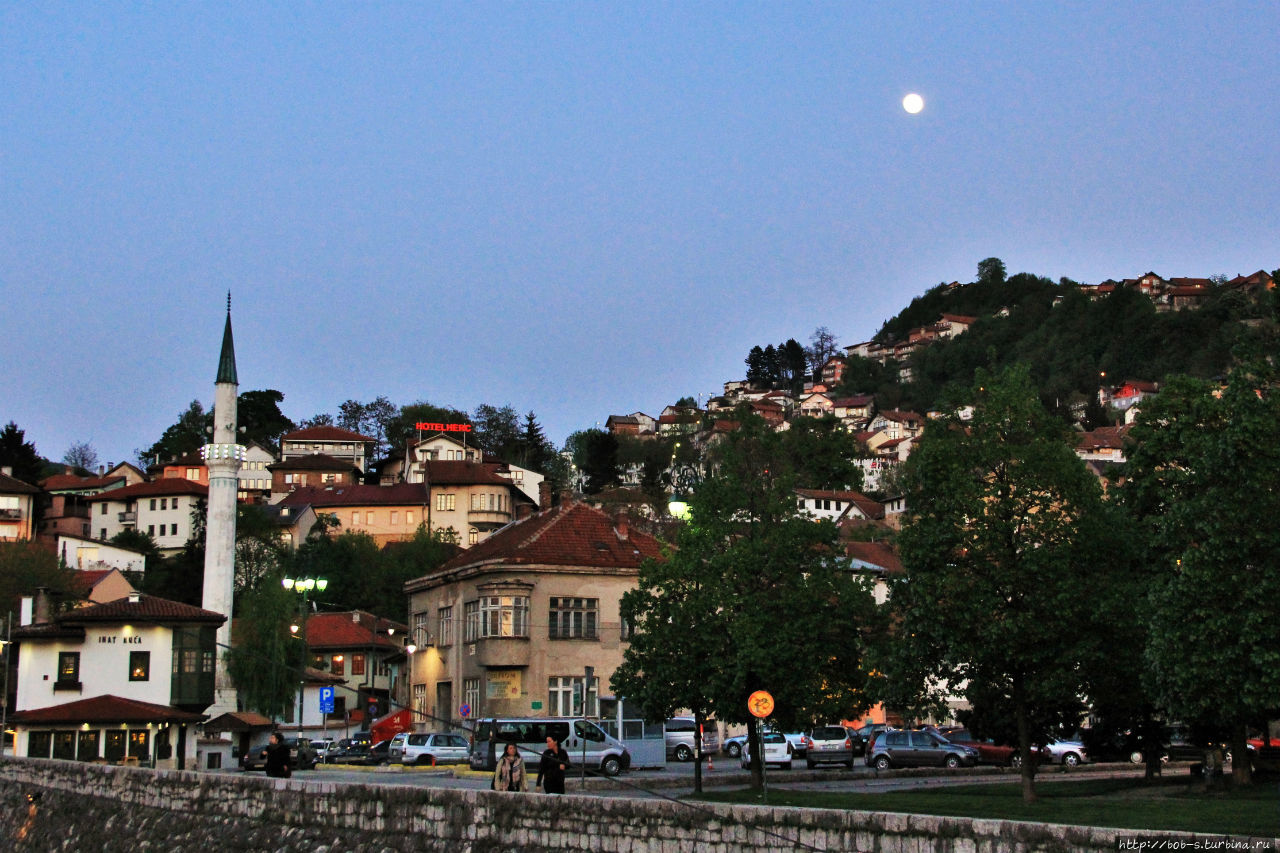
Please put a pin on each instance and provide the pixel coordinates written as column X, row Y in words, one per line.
column 164, row 503
column 471, row 694
column 193, row 473
column 420, row 699
column 173, row 529
column 370, row 518
column 498, row 616
column 564, row 696
column 473, row 536
column 395, row 518
column 355, row 519
column 151, row 530
column 328, row 478
column 445, row 503
column 445, row 624
column 139, row 666
column 624, row 628
column 574, row 618
column 68, row 671
column 408, row 518
column 153, row 504
column 471, row 621
column 338, row 665
column 357, row 664
column 104, row 508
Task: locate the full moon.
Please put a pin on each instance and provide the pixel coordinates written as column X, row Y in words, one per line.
column 913, row 103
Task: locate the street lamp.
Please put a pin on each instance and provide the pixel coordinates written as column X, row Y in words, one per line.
column 303, row 586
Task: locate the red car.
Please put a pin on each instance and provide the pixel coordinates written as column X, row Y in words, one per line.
column 989, row 752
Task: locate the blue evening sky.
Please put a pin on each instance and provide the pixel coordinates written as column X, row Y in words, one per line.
column 580, row 209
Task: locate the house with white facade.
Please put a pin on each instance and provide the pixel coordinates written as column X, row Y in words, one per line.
column 161, row 509
column 123, row 682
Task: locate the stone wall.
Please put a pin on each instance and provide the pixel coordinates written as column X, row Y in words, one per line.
column 109, row 808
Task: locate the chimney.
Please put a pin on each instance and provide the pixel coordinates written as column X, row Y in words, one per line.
column 135, row 597
column 523, row 511
column 620, row 524
column 42, row 606
column 544, row 495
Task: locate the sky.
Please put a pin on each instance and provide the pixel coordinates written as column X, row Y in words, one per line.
column 580, row 209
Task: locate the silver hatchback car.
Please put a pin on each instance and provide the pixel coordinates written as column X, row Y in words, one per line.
column 428, row 748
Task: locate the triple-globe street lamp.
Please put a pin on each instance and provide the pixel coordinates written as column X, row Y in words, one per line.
column 303, row 586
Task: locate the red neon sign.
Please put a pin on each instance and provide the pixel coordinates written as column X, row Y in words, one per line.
column 444, row 427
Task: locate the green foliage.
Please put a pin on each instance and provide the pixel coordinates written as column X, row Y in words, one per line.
column 1006, row 536
column 1201, row 488
column 25, row 567
column 595, row 455
column 187, row 435
column 401, row 429
column 823, row 454
column 258, row 413
column 265, row 660
column 754, row 596
column 20, row 455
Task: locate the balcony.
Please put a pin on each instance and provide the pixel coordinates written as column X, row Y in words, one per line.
column 10, row 514
column 127, row 517
column 488, row 518
column 502, row 652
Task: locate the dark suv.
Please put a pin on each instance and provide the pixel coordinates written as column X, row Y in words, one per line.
column 918, row 749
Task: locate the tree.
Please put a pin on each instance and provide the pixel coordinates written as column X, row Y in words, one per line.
column 706, row 620
column 1005, row 528
column 259, row 416
column 822, row 345
column 991, row 271
column 82, row 456
column 259, row 553
column 402, row 429
column 265, row 660
column 823, row 454
column 187, row 435
column 1200, row 484
column 20, row 455
column 792, row 366
column 321, row 419
column 758, row 368
column 497, row 431
column 595, row 454
column 535, row 450
column 25, row 567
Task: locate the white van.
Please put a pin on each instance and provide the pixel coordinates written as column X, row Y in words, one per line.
column 529, row 734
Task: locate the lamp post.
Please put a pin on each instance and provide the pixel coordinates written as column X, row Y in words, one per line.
column 304, row 587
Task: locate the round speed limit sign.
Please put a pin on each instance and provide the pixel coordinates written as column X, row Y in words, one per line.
column 760, row 704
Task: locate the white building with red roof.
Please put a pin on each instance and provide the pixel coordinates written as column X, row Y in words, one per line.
column 508, row 626
column 127, row 679
column 335, row 441
column 365, row 657
column 161, row 509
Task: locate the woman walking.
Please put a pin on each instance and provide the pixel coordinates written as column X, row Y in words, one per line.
column 509, row 775
column 555, row 761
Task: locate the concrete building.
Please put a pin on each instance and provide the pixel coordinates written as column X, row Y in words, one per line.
column 17, row 507
column 161, row 509
column 508, row 626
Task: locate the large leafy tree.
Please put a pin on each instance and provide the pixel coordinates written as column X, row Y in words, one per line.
column 1006, row 533
column 20, row 455
column 187, row 435
column 26, row 567
column 595, row 455
column 265, row 660
column 498, row 431
column 258, row 413
column 402, row 428
column 823, row 454
column 1201, row 484
column 753, row 596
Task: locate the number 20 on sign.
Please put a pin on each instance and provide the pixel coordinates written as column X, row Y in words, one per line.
column 760, row 704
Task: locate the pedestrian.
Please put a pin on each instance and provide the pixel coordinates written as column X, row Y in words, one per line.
column 509, row 775
column 555, row 761
column 277, row 752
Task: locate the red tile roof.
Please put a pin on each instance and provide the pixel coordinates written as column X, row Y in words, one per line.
column 327, row 433
column 147, row 608
column 340, row 631
column 441, row 472
column 167, row 486
column 400, row 494
column 877, row 553
column 10, row 485
column 960, row 318
column 70, row 482
column 1103, row 438
column 567, row 535
column 104, row 709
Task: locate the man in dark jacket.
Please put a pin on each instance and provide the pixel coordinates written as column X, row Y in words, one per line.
column 555, row 761
column 278, row 763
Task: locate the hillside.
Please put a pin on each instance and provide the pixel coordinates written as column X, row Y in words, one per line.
column 1072, row 341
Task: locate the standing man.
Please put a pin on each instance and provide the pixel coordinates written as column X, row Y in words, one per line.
column 278, row 763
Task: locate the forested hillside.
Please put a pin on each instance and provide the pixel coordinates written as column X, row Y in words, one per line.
column 1072, row 342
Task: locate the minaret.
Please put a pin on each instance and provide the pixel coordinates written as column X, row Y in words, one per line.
column 223, row 457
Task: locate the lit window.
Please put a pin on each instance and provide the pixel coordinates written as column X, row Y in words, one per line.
column 139, row 666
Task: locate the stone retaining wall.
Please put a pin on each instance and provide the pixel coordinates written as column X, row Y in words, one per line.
column 107, row 808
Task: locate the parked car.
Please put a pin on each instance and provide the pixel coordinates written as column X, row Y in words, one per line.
column 301, row 755
column 1068, row 752
column 323, row 747
column 777, row 750
column 428, row 748
column 732, row 746
column 830, row 745
column 990, row 752
column 361, row 752
column 680, row 734
column 918, row 749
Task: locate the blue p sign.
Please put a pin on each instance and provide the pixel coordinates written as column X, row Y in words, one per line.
column 326, row 700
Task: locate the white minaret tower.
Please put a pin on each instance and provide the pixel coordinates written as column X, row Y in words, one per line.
column 223, row 457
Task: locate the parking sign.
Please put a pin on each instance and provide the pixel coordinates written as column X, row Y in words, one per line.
column 326, row 700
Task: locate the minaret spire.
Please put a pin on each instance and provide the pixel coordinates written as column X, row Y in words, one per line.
column 227, row 360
